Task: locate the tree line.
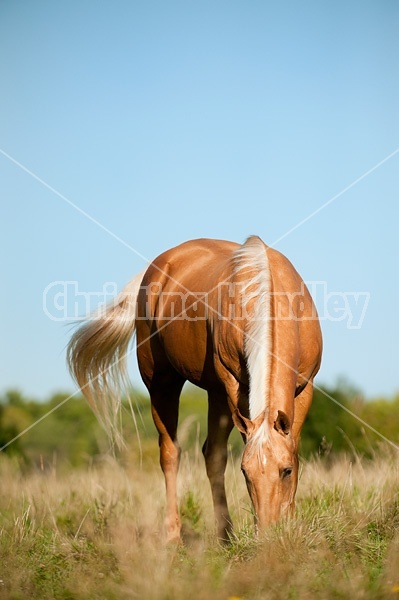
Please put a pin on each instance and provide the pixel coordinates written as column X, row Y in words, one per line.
column 63, row 431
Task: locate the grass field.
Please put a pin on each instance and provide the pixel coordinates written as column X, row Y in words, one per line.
column 97, row 533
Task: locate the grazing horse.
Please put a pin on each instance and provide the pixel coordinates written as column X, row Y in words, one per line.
column 235, row 320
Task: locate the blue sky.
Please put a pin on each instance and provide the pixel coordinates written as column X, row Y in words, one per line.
column 167, row 121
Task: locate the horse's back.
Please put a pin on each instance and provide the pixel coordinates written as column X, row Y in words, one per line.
column 195, row 265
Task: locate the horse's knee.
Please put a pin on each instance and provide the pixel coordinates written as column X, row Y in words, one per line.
column 169, row 453
column 214, row 464
column 208, row 452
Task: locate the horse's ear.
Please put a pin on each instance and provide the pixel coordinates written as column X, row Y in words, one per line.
column 244, row 425
column 282, row 423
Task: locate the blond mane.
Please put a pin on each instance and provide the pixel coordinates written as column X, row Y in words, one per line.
column 251, row 268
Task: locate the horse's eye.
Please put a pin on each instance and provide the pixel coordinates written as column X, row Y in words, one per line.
column 286, row 472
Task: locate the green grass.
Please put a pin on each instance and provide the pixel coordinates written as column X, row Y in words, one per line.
column 97, row 533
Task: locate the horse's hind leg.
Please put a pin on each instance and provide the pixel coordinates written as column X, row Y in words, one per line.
column 214, row 450
column 165, row 394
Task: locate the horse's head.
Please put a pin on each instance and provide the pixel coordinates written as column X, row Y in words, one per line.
column 270, row 467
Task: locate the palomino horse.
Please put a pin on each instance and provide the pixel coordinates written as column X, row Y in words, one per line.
column 237, row 321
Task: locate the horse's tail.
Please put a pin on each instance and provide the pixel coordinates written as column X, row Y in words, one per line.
column 97, row 357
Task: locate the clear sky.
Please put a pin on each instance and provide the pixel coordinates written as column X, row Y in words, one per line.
column 129, row 127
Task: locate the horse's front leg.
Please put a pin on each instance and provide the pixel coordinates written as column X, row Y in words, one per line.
column 220, row 425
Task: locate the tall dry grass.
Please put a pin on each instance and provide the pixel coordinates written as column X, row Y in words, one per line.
column 98, row 534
